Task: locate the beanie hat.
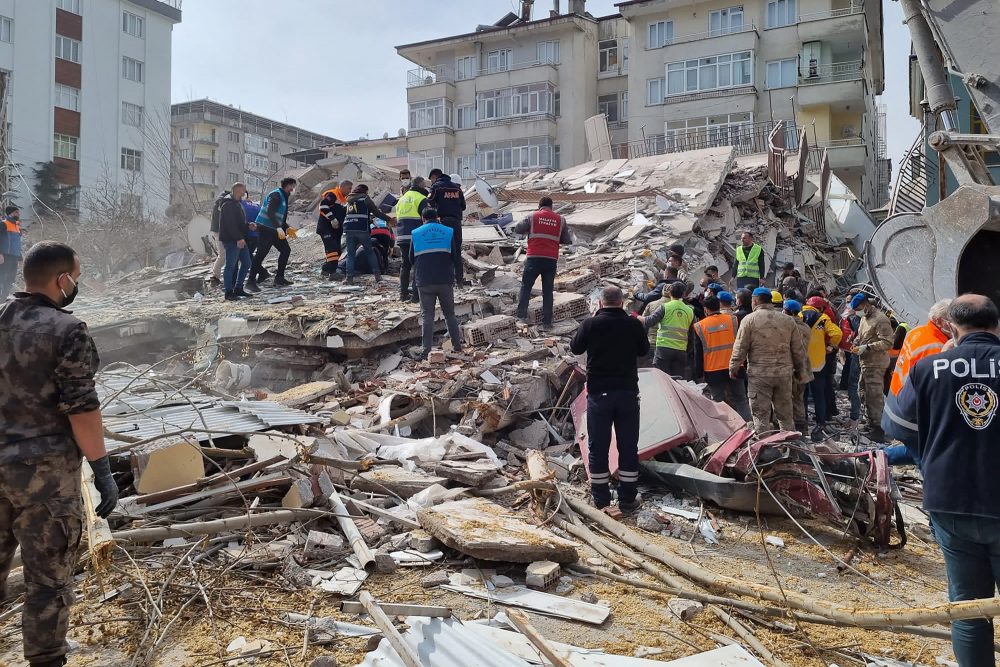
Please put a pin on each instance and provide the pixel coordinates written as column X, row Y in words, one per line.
column 858, row 299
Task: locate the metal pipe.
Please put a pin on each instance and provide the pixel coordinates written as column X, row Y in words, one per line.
column 940, row 96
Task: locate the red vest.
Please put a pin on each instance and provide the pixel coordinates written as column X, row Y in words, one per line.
column 543, row 239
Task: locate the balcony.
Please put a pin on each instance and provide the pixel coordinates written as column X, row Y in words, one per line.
column 204, row 141
column 841, row 82
column 520, row 118
column 198, row 159
column 518, row 74
column 710, row 94
column 827, row 23
column 846, row 153
column 713, row 42
column 427, row 131
column 430, row 83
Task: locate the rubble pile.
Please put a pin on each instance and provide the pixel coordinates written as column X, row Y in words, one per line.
column 298, row 486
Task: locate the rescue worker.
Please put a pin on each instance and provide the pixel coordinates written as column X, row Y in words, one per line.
column 233, row 231
column 900, row 329
column 711, row 275
column 791, row 279
column 272, row 228
column 771, row 347
column 613, row 342
column 744, row 304
column 714, row 338
column 824, row 336
column 673, row 320
column 727, row 303
column 872, row 347
column 357, row 229
column 431, row 248
column 546, row 230
column 50, row 415
column 409, row 209
column 10, row 249
column 676, row 262
column 946, row 415
column 405, row 180
column 793, row 309
column 447, row 197
column 750, row 269
column 646, row 299
column 330, row 226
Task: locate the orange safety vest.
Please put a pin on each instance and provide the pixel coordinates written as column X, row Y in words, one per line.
column 717, row 334
column 923, row 341
column 341, row 199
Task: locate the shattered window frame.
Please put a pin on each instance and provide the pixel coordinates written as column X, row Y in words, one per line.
column 609, row 105
column 608, row 58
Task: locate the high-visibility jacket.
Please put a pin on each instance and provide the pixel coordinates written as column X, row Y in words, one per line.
column 544, row 235
column 824, row 332
column 408, row 214
column 922, row 341
column 748, row 264
column 894, row 351
column 673, row 328
column 280, row 214
column 11, row 245
column 717, row 334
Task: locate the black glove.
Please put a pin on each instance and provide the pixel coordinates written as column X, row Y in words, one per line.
column 106, row 485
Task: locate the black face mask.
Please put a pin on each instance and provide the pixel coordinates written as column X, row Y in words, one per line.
column 69, row 298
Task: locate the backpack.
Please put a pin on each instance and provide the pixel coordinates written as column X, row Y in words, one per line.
column 217, row 212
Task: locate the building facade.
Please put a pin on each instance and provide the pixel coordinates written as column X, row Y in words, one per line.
column 669, row 75
column 88, row 82
column 214, row 145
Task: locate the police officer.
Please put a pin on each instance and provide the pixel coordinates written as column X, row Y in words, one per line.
column 946, row 414
column 409, row 209
column 614, row 342
column 357, row 227
column 10, row 249
column 330, row 226
column 546, row 230
column 750, row 269
column 49, row 416
column 447, row 197
column 431, row 252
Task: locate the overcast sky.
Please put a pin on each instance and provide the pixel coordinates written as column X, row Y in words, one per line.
column 330, row 66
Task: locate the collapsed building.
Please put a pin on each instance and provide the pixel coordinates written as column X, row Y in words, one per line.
column 290, row 457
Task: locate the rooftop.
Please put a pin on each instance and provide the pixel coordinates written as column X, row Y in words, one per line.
column 224, row 114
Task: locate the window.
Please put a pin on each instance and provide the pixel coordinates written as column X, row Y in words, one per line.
column 624, row 105
column 528, row 153
column 465, row 166
column 256, row 143
column 65, row 146
column 256, row 163
column 133, row 25
column 661, row 33
column 654, row 91
column 185, row 154
column 725, row 21
column 498, row 61
column 274, row 147
column 608, row 56
column 274, row 166
column 233, row 177
column 131, row 69
column 608, row 105
column 423, row 162
column 624, row 43
column 234, row 137
column 234, row 158
column 67, row 97
column 430, row 114
column 466, row 117
column 69, row 5
column 132, row 114
column 782, row 73
column 255, row 183
column 722, row 130
column 131, row 159
column 465, row 68
column 184, row 133
column 781, row 13
column 6, row 29
column 520, row 101
column 67, row 49
column 548, row 52
column 71, row 197
column 724, row 71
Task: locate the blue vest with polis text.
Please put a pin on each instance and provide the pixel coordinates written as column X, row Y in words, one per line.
column 432, row 247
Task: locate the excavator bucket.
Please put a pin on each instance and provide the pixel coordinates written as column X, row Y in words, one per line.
column 915, row 259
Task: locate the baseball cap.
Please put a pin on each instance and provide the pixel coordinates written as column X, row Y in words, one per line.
column 763, row 293
column 858, row 299
column 726, row 297
column 793, row 306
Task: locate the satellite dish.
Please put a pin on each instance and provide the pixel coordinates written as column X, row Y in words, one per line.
column 198, row 230
column 456, row 179
column 590, row 187
column 486, row 193
column 385, row 136
column 401, row 132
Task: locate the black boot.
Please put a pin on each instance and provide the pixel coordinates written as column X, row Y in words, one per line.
column 232, row 296
column 240, row 293
column 279, row 281
column 251, row 286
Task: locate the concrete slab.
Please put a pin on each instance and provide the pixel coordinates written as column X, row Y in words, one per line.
column 396, row 480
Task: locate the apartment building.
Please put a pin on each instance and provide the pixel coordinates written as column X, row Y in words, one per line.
column 88, row 80
column 215, row 145
column 669, row 75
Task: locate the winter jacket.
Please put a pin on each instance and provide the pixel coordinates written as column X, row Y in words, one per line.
column 770, row 344
column 876, row 334
column 361, row 205
column 232, row 221
column 613, row 341
column 823, row 333
column 447, row 197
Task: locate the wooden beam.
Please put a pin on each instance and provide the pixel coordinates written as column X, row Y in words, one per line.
column 398, row 609
column 389, row 631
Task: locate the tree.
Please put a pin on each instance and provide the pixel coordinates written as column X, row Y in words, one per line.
column 50, row 191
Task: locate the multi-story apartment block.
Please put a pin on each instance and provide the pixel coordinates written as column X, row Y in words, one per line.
column 669, row 75
column 215, row 145
column 88, row 80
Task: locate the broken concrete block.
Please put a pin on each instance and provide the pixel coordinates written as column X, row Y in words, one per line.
column 564, row 306
column 162, row 466
column 501, row 581
column 646, row 520
column 434, row 579
column 421, row 540
column 320, row 545
column 542, row 575
column 398, row 481
column 340, row 418
column 436, row 357
column 684, row 609
column 304, row 394
column 300, row 494
column 469, row 473
column 384, row 563
column 489, row 330
column 533, row 436
column 481, row 529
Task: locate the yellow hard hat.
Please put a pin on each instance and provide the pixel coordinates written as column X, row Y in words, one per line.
column 776, row 297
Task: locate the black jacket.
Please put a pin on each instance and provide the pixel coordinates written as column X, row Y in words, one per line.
column 613, row 341
column 447, row 197
column 946, row 414
column 232, row 221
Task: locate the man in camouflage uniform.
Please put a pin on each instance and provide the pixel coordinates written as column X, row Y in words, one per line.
column 771, row 345
column 871, row 344
column 793, row 309
column 49, row 415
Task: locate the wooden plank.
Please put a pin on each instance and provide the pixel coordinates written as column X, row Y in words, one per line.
column 389, row 631
column 521, row 622
column 398, row 609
